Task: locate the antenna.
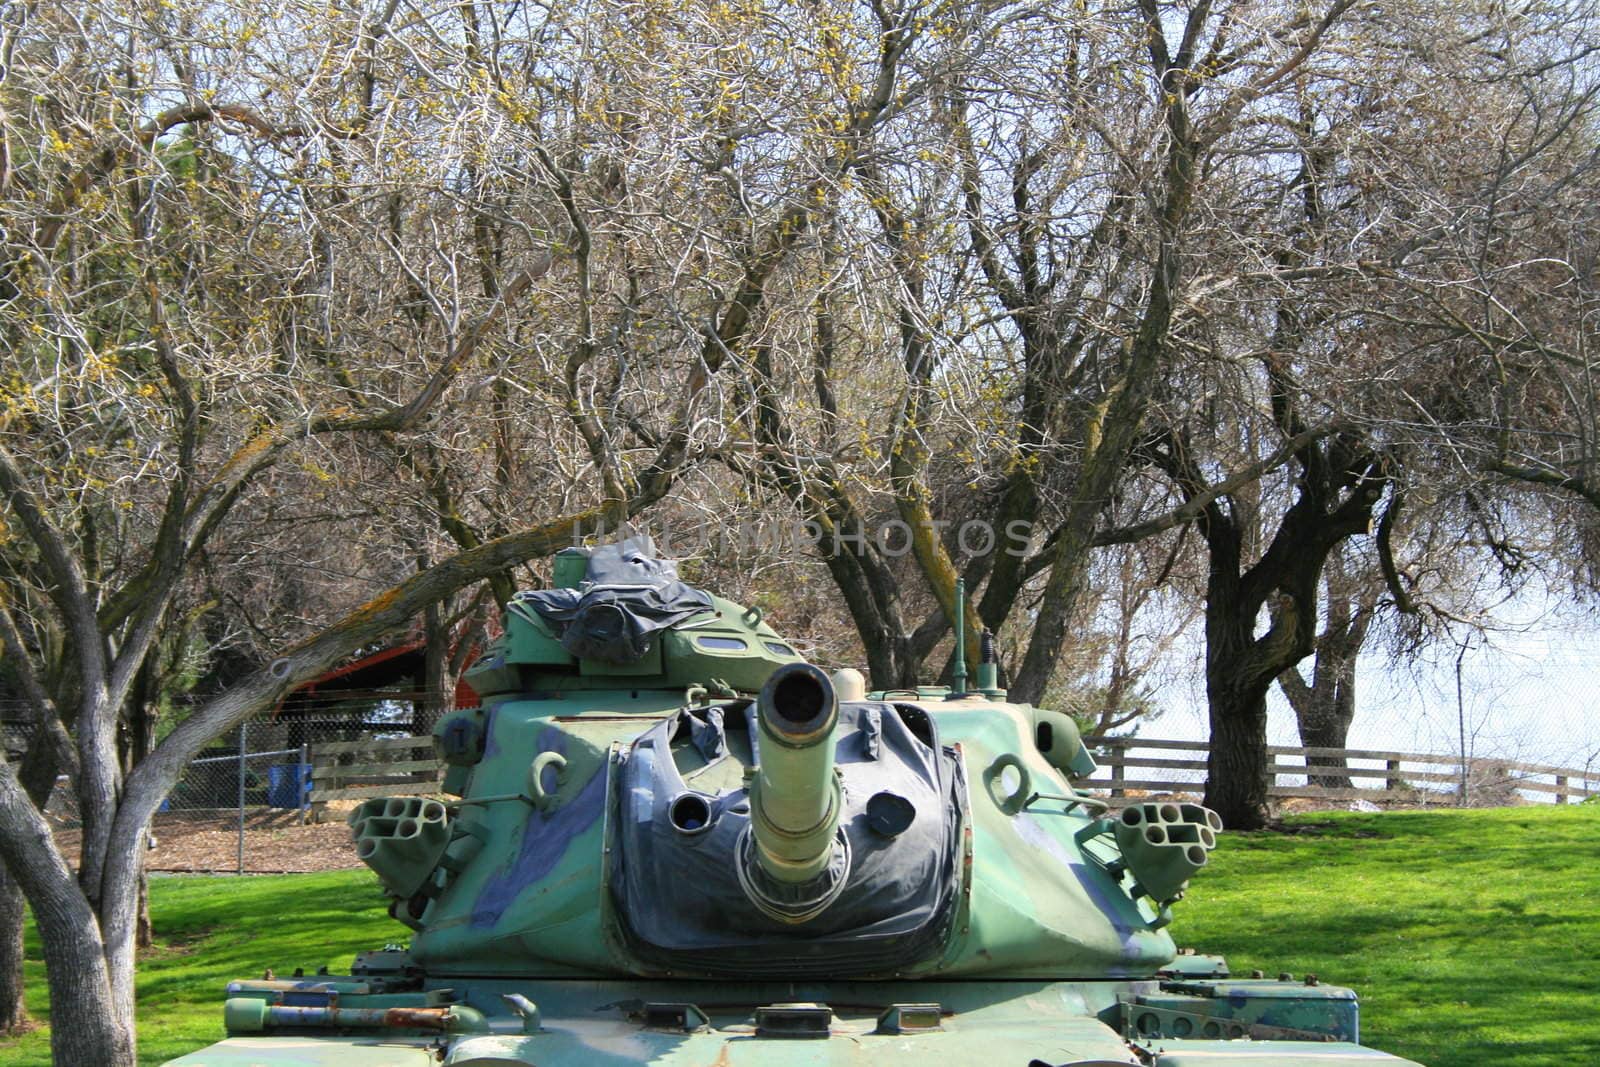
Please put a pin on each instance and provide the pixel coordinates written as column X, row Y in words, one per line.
column 958, row 669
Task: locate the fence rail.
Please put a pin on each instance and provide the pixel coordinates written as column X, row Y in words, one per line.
column 1397, row 779
column 386, row 767
column 405, row 766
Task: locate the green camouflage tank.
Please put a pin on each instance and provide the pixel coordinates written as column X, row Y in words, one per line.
column 673, row 841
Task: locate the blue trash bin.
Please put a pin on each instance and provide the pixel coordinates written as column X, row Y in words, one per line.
column 288, row 785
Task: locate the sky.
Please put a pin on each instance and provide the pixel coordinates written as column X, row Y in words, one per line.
column 1529, row 692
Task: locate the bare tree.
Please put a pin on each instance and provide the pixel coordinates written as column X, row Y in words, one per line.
column 1098, row 272
column 1491, row 222
column 1029, row 335
column 1325, row 706
column 208, row 304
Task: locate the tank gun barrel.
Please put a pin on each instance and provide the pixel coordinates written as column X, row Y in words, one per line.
column 795, row 799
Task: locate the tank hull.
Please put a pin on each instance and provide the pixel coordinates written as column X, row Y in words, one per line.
column 616, row 1023
column 644, row 865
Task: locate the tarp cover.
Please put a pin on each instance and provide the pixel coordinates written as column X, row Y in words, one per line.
column 678, row 894
column 627, row 597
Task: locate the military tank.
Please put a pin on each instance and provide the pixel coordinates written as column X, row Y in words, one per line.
column 671, row 840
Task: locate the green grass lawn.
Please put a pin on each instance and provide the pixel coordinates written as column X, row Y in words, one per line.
column 211, row 930
column 1472, row 937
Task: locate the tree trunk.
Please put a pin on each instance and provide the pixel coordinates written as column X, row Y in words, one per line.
column 87, row 1026
column 1064, row 589
column 37, row 777
column 1240, row 667
column 1236, row 695
column 91, row 1023
column 144, row 929
column 1324, row 714
column 438, row 685
column 141, row 739
column 1334, row 501
column 1116, row 431
column 13, row 1008
column 1330, row 777
column 1324, row 709
column 1236, row 775
column 867, row 585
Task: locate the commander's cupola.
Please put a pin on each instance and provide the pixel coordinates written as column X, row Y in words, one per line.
column 619, row 617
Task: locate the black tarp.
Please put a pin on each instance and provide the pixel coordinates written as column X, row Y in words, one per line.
column 626, row 598
column 679, row 896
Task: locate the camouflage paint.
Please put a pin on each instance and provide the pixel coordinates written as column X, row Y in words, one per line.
column 545, row 841
column 1055, row 955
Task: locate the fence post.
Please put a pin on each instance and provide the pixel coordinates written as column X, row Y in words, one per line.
column 302, row 784
column 1561, row 784
column 1116, row 759
column 319, row 808
column 1392, row 782
column 241, row 798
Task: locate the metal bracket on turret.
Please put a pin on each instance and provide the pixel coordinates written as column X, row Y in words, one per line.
column 544, row 799
column 1231, row 1009
column 1008, row 783
column 790, row 1021
column 1142, row 1021
column 674, row 1017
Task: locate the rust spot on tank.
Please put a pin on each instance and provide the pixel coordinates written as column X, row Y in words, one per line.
column 417, row 1018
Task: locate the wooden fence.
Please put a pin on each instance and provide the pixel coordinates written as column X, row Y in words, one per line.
column 1393, row 776
column 406, row 766
column 390, row 767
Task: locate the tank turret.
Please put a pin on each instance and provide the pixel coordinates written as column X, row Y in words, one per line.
column 665, row 838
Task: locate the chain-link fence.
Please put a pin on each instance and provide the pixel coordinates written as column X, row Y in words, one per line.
column 257, row 791
column 241, row 806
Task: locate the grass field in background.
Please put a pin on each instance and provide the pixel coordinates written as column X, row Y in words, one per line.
column 212, row 930
column 1473, row 937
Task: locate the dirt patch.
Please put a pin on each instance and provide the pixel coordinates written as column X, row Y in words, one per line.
column 275, row 842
